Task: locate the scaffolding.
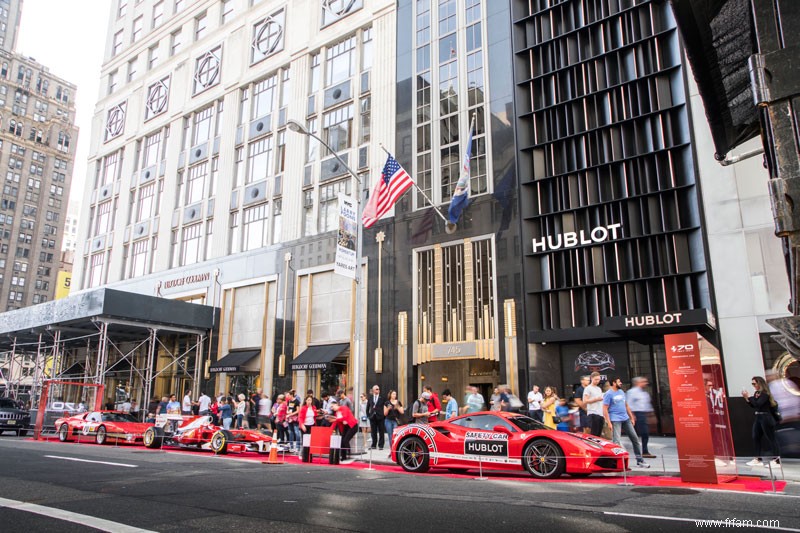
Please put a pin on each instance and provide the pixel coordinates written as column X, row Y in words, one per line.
column 106, row 337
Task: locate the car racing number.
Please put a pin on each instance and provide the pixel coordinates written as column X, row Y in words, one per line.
column 486, row 444
column 88, row 428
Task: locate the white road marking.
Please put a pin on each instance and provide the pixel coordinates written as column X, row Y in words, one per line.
column 90, row 461
column 68, row 516
column 692, row 520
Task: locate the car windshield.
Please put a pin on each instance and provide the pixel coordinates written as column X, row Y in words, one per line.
column 6, row 403
column 118, row 417
column 526, row 423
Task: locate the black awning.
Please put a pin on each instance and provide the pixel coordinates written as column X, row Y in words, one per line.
column 235, row 361
column 318, row 357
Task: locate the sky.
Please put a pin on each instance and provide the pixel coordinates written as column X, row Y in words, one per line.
column 68, row 37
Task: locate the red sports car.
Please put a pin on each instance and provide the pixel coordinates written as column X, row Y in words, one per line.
column 199, row 432
column 102, row 425
column 500, row 440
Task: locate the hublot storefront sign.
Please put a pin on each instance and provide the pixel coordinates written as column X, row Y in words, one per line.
column 572, row 239
column 684, row 319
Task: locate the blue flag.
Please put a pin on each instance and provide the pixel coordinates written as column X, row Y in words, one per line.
column 460, row 198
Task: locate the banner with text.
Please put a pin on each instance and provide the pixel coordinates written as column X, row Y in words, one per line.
column 347, row 237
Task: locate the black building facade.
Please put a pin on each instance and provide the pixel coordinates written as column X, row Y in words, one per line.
column 614, row 254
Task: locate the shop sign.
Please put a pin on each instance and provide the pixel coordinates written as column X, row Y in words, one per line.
column 310, row 366
column 571, row 239
column 187, row 280
column 459, row 350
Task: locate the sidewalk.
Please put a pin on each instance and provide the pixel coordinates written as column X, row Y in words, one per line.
column 666, row 462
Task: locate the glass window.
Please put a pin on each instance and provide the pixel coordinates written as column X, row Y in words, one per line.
column 122, row 8
column 175, row 42
column 200, row 26
column 227, row 10
column 339, row 61
column 255, row 227
column 201, row 131
column 139, row 258
column 144, row 206
column 329, row 204
column 95, row 276
column 259, row 159
column 132, row 68
column 264, row 96
column 152, row 56
column 195, row 186
column 190, row 244
column 138, row 24
column 158, row 13
column 337, row 128
column 116, row 46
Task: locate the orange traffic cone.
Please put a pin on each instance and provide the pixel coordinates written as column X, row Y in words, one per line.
column 273, row 451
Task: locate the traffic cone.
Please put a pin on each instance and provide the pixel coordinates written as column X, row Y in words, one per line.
column 273, row 451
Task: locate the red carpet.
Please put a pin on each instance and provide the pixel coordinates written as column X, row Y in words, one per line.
column 740, row 484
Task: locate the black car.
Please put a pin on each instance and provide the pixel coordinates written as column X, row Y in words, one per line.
column 13, row 417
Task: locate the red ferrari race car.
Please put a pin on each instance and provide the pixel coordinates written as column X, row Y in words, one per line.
column 102, row 425
column 500, row 440
column 199, row 432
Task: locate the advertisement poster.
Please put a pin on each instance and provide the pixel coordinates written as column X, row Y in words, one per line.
column 690, row 407
column 610, row 359
column 347, row 237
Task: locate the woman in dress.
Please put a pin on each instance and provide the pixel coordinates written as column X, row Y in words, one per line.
column 363, row 421
column 308, row 414
column 549, row 406
column 392, row 412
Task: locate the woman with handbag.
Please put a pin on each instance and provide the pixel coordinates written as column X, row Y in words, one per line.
column 392, row 412
column 764, row 423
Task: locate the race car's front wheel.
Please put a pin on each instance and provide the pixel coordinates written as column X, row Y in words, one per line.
column 412, row 455
column 220, row 440
column 153, row 437
column 544, row 459
column 101, row 437
column 63, row 433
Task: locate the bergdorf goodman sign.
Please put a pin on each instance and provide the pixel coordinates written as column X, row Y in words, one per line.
column 572, row 239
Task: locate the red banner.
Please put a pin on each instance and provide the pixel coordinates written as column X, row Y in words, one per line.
column 690, row 407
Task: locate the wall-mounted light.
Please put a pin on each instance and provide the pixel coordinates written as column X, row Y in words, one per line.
column 444, row 379
column 422, row 377
column 282, row 365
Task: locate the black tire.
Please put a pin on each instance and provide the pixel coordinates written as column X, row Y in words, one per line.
column 220, row 440
column 101, row 437
column 22, row 432
column 412, row 455
column 63, row 433
column 153, row 437
column 544, row 459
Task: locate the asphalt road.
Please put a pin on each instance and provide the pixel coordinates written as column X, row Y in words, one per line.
column 164, row 491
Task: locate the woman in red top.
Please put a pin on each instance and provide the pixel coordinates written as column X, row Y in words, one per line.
column 347, row 425
column 307, row 415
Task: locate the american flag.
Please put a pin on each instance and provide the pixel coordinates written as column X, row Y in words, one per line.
column 393, row 183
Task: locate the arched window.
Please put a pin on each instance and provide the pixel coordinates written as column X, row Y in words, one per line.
column 12, row 125
column 63, row 141
column 4, row 70
column 39, row 136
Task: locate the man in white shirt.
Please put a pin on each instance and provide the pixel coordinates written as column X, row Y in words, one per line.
column 535, row 404
column 203, row 404
column 126, row 406
column 186, row 405
column 593, row 399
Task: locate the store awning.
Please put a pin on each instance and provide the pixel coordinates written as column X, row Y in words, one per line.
column 319, row 357
column 236, row 361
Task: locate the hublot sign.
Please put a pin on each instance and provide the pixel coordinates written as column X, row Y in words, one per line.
column 572, row 239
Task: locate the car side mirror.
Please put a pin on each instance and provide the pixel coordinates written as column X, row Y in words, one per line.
column 500, row 429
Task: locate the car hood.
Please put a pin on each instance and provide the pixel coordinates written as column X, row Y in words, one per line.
column 592, row 442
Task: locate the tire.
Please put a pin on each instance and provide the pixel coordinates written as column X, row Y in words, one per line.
column 153, row 437
column 63, row 433
column 544, row 459
column 101, row 437
column 220, row 440
column 412, row 455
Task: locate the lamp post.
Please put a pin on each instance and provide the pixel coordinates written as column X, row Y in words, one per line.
column 299, row 128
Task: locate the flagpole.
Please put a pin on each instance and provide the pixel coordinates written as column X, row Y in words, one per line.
column 450, row 227
column 420, row 190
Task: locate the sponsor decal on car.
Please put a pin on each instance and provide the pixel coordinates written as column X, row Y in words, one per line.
column 486, row 444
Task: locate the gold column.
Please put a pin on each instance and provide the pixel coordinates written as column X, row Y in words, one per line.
column 402, row 355
column 469, row 291
column 379, row 351
column 510, row 339
column 438, row 295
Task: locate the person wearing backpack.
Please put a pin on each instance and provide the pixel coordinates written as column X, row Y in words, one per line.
column 765, row 421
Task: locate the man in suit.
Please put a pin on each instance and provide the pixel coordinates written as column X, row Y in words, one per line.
column 375, row 404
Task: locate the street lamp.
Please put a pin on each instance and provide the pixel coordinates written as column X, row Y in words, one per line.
column 299, row 128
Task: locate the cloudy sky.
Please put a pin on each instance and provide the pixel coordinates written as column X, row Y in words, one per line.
column 68, row 37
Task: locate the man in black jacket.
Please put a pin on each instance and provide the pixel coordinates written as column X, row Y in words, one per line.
column 375, row 404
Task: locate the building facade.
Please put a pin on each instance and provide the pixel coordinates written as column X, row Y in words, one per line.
column 199, row 191
column 10, row 17
column 38, row 136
